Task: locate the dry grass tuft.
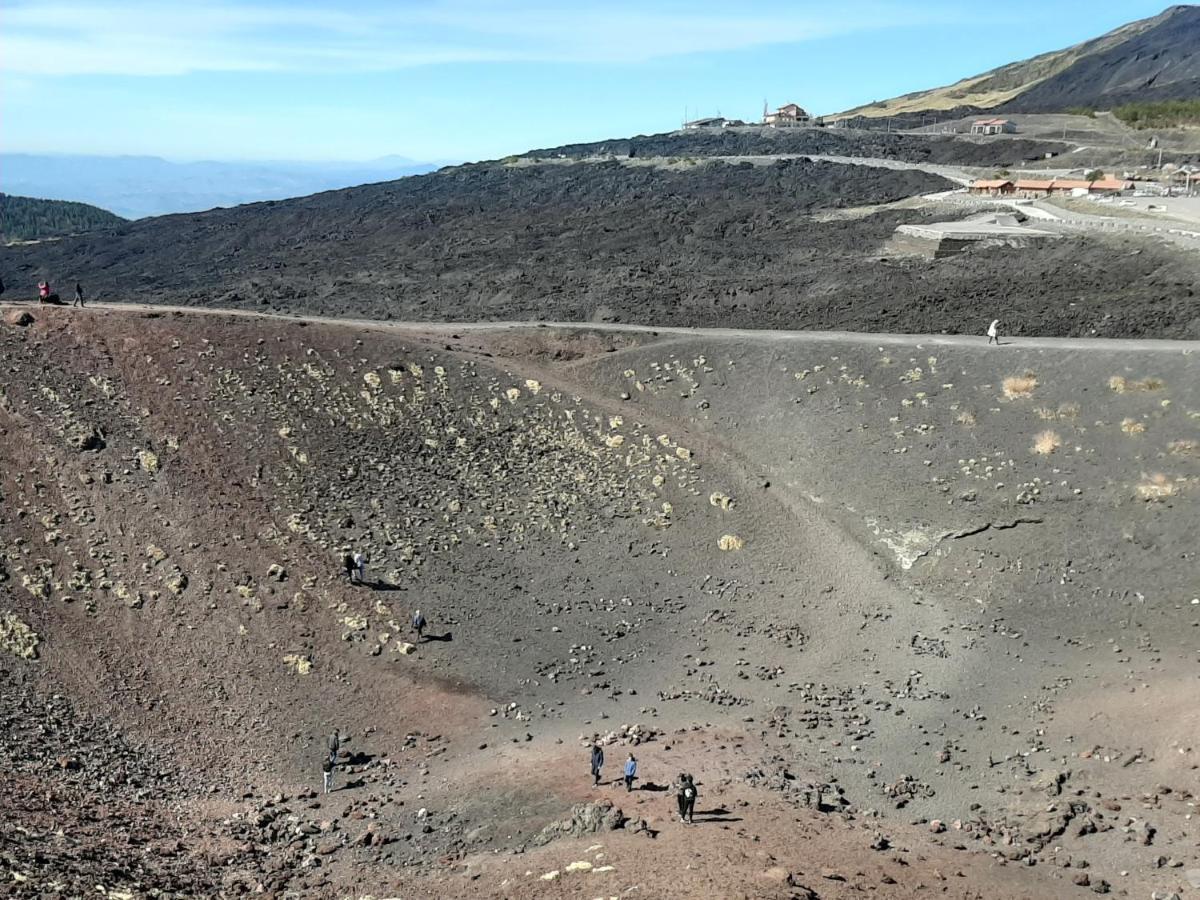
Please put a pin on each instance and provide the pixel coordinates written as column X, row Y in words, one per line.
column 1119, row 384
column 1065, row 411
column 1046, row 442
column 966, row 418
column 1133, row 426
column 1184, row 448
column 1017, row 387
column 1156, row 488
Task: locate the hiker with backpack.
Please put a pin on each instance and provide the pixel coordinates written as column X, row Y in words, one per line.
column 686, row 798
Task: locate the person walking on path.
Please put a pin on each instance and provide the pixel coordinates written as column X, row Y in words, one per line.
column 418, row 624
column 993, row 333
column 327, row 773
column 686, row 798
column 78, row 295
column 335, row 744
column 597, row 763
column 630, row 772
column 360, row 565
column 43, row 292
column 348, row 565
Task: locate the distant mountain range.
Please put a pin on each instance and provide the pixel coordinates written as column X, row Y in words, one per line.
column 1148, row 60
column 26, row 219
column 140, row 186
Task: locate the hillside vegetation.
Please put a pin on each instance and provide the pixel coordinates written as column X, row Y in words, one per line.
column 1164, row 114
column 29, row 219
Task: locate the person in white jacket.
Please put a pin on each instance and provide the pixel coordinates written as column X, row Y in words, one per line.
column 993, row 332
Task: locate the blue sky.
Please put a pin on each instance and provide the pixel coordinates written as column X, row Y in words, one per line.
column 475, row 79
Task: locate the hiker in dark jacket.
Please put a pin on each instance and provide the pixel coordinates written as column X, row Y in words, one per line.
column 418, row 624
column 597, row 763
column 78, row 295
column 335, row 744
column 348, row 565
column 686, row 798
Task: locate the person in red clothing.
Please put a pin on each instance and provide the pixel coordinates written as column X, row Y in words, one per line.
column 43, row 291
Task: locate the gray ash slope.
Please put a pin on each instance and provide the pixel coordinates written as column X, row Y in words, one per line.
column 734, row 245
column 1161, row 62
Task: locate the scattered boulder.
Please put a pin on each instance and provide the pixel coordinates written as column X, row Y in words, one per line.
column 730, row 542
column 18, row 317
column 586, row 818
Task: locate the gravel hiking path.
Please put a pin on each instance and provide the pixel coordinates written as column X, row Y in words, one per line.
column 1126, row 345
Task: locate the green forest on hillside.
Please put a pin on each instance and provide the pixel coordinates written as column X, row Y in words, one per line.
column 1159, row 114
column 28, row 219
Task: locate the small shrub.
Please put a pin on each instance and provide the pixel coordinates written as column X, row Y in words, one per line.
column 1019, row 386
column 966, row 418
column 1066, row 411
column 1046, row 442
column 1156, row 488
column 1119, row 384
column 1184, row 448
column 1133, row 426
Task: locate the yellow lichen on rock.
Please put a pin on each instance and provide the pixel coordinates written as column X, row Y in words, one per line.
column 148, row 460
column 18, row 638
column 127, row 595
column 720, row 500
column 301, row 664
column 730, row 542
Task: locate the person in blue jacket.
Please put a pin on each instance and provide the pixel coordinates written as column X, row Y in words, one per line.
column 630, row 772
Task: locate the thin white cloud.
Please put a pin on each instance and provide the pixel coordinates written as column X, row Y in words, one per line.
column 127, row 37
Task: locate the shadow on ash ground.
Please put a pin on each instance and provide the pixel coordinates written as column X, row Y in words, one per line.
column 952, row 588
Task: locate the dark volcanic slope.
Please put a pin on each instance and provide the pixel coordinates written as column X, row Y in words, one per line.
column 939, row 150
column 707, row 245
column 1160, row 63
column 1150, row 59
